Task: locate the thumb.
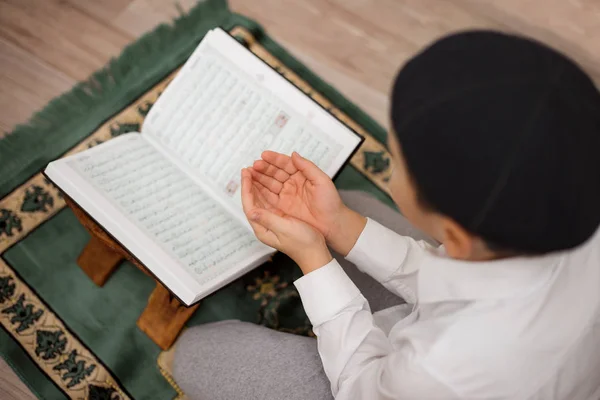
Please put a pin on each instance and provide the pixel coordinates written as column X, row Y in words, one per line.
column 269, row 220
column 308, row 168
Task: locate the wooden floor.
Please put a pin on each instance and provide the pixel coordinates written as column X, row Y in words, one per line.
column 46, row 46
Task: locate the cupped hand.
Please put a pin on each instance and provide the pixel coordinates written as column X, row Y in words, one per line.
column 282, row 231
column 299, row 188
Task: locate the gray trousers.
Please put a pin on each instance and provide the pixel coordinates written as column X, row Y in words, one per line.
column 231, row 360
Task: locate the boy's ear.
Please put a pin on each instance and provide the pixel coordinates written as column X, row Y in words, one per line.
column 458, row 242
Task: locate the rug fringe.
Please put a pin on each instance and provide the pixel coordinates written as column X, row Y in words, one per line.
column 71, row 117
column 76, row 113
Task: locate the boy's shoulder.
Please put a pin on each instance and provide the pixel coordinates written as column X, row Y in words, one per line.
column 519, row 342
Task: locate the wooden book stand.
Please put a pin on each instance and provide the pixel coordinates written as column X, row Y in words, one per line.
column 164, row 316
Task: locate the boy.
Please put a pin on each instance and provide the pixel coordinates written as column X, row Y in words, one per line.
column 495, row 147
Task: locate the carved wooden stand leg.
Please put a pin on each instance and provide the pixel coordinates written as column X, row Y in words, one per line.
column 98, row 261
column 164, row 317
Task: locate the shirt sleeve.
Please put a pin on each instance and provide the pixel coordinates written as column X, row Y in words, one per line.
column 390, row 258
column 358, row 358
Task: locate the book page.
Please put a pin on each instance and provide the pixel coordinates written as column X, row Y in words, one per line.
column 169, row 207
column 217, row 117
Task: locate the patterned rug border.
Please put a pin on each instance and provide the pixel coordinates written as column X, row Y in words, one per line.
column 36, row 201
column 23, row 211
column 50, row 343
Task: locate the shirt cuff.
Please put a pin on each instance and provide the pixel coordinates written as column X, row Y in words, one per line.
column 378, row 251
column 325, row 292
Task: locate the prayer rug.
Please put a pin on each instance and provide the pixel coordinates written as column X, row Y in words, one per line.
column 66, row 337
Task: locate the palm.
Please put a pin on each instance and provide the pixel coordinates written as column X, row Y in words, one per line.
column 314, row 201
column 308, row 202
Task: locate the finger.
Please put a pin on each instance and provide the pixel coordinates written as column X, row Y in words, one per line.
column 249, row 204
column 271, row 170
column 271, row 221
column 259, row 199
column 254, row 213
column 248, row 201
column 264, row 235
column 308, row 168
column 246, row 183
column 269, row 197
column 270, row 183
column 279, row 160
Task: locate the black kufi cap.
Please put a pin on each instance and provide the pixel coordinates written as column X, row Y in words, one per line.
column 502, row 134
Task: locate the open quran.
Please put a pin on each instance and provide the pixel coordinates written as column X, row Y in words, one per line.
column 170, row 195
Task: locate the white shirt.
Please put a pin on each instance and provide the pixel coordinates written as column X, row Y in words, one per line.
column 516, row 328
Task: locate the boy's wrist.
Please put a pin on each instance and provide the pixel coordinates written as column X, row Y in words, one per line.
column 313, row 259
column 345, row 231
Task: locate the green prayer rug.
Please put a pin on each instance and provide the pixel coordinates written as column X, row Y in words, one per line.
column 66, row 337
